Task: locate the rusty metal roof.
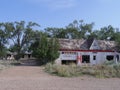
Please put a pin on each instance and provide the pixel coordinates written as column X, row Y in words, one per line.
column 81, row 44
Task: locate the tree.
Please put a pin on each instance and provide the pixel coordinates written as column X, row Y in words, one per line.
column 45, row 49
column 79, row 29
column 75, row 30
column 56, row 32
column 107, row 33
column 117, row 39
column 20, row 34
column 3, row 40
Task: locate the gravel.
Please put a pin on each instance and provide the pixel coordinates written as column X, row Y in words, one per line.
column 34, row 78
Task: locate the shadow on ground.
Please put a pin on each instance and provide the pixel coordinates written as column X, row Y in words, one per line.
column 29, row 62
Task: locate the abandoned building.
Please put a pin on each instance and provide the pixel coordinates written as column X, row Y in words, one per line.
column 80, row 51
column 90, row 51
column 25, row 56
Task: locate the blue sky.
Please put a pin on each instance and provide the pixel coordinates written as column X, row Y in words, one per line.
column 59, row 13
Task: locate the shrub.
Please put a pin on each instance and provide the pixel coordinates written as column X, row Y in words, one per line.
column 99, row 71
column 4, row 64
column 61, row 70
column 44, row 49
column 8, row 63
column 109, row 62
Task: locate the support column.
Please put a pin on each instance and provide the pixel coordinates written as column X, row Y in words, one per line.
column 115, row 57
column 79, row 59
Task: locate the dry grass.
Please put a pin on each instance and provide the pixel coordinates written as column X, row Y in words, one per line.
column 7, row 63
column 99, row 71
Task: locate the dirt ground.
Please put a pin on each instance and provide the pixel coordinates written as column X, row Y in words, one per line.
column 34, row 78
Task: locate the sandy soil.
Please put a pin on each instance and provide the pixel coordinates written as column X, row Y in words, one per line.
column 34, row 78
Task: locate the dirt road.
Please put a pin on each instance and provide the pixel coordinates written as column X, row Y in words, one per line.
column 34, row 78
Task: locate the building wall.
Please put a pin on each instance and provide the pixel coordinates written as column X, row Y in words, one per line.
column 95, row 57
column 100, row 57
column 27, row 57
column 68, row 55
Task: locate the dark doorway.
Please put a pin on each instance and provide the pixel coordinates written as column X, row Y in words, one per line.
column 29, row 55
column 8, row 55
column 85, row 58
column 67, row 62
column 23, row 56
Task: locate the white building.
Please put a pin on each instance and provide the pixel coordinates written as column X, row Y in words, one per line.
column 90, row 51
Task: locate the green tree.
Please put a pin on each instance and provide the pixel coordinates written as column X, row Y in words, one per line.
column 45, row 49
column 3, row 40
column 117, row 39
column 56, row 32
column 75, row 30
column 20, row 34
column 107, row 33
column 79, row 29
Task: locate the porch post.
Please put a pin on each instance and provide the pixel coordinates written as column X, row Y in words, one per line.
column 115, row 57
column 79, row 59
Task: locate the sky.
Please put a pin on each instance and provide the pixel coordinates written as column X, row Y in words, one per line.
column 59, row 13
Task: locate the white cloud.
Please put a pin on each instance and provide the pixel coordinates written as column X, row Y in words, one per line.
column 56, row 4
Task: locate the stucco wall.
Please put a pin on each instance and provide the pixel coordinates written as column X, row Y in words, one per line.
column 100, row 56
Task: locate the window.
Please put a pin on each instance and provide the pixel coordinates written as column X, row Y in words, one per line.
column 110, row 57
column 94, row 57
column 85, row 58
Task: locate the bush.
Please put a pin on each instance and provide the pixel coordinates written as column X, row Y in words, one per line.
column 8, row 63
column 109, row 62
column 61, row 70
column 44, row 49
column 4, row 64
column 99, row 71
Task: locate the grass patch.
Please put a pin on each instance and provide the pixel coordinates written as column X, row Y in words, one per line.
column 7, row 63
column 61, row 70
column 99, row 71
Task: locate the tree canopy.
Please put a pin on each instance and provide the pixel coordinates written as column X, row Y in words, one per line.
column 44, row 48
column 22, row 37
column 18, row 34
